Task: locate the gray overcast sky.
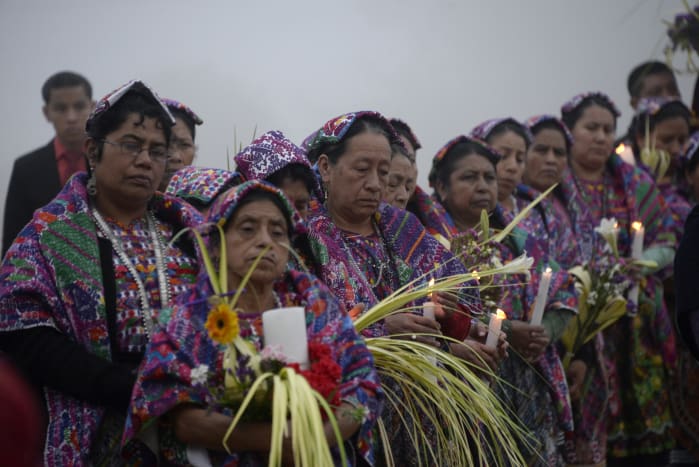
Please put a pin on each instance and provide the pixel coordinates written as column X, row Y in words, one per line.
column 441, row 65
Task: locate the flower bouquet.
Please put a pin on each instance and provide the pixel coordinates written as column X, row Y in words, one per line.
column 684, row 35
column 267, row 385
column 601, row 284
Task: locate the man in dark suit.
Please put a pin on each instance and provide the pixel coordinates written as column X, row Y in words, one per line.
column 37, row 177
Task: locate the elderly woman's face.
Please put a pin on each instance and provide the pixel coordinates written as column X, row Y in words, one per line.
column 124, row 174
column 472, row 188
column 355, row 183
column 401, row 182
column 255, row 227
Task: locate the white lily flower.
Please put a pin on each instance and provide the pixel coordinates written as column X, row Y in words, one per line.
column 608, row 228
column 199, row 374
column 520, row 265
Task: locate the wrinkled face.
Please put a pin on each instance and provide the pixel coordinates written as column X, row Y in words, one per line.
column 472, row 188
column 122, row 177
column 593, row 138
column 657, row 85
column 298, row 194
column 511, row 167
column 67, row 110
column 669, row 135
column 547, row 158
column 356, row 182
column 253, row 228
column 401, row 182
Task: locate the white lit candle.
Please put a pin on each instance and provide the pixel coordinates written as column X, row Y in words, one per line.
column 541, row 298
column 494, row 328
column 429, row 307
column 286, row 327
column 636, row 253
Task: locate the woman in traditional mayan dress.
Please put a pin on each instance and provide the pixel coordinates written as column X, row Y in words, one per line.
column 364, row 250
column 641, row 345
column 168, row 395
column 83, row 283
column 534, row 387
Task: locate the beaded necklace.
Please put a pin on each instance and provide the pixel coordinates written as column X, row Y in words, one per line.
column 163, row 280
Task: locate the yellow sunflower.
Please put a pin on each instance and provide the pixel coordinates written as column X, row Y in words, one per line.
column 222, row 324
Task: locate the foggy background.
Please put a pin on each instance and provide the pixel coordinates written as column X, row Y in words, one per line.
column 440, row 65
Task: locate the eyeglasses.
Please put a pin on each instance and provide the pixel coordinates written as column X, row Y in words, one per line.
column 129, row 148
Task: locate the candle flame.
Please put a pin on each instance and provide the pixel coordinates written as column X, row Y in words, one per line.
column 500, row 314
column 548, row 270
column 636, row 225
column 476, row 275
column 429, row 287
column 620, row 149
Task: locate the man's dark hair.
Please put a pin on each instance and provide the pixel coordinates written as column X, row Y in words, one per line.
column 65, row 79
column 640, row 72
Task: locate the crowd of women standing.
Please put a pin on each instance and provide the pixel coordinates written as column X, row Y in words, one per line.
column 97, row 299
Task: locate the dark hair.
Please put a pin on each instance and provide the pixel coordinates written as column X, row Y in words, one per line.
column 64, row 79
column 508, row 125
column 550, row 125
column 570, row 118
column 363, row 124
column 263, row 195
column 443, row 169
column 403, row 129
column 670, row 110
column 134, row 102
column 294, row 172
column 634, row 83
column 184, row 116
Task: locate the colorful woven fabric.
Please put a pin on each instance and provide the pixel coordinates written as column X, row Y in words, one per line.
column 181, row 344
column 432, row 214
column 268, row 154
column 550, row 237
column 335, row 130
column 642, row 347
column 108, row 101
column 414, row 256
column 52, row 277
column 483, row 130
column 678, row 206
column 575, row 102
column 200, row 184
column 537, row 120
column 177, row 105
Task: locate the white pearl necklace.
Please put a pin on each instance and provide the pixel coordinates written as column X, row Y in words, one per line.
column 147, row 315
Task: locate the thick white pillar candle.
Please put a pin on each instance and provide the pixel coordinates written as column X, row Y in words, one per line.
column 286, row 327
column 541, row 298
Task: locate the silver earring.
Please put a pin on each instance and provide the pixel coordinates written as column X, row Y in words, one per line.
column 92, row 184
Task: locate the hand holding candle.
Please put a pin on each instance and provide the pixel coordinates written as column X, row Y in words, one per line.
column 286, row 328
column 494, row 328
column 430, row 307
column 541, row 298
column 636, row 253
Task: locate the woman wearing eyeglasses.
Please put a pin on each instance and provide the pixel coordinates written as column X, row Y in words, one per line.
column 82, row 284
